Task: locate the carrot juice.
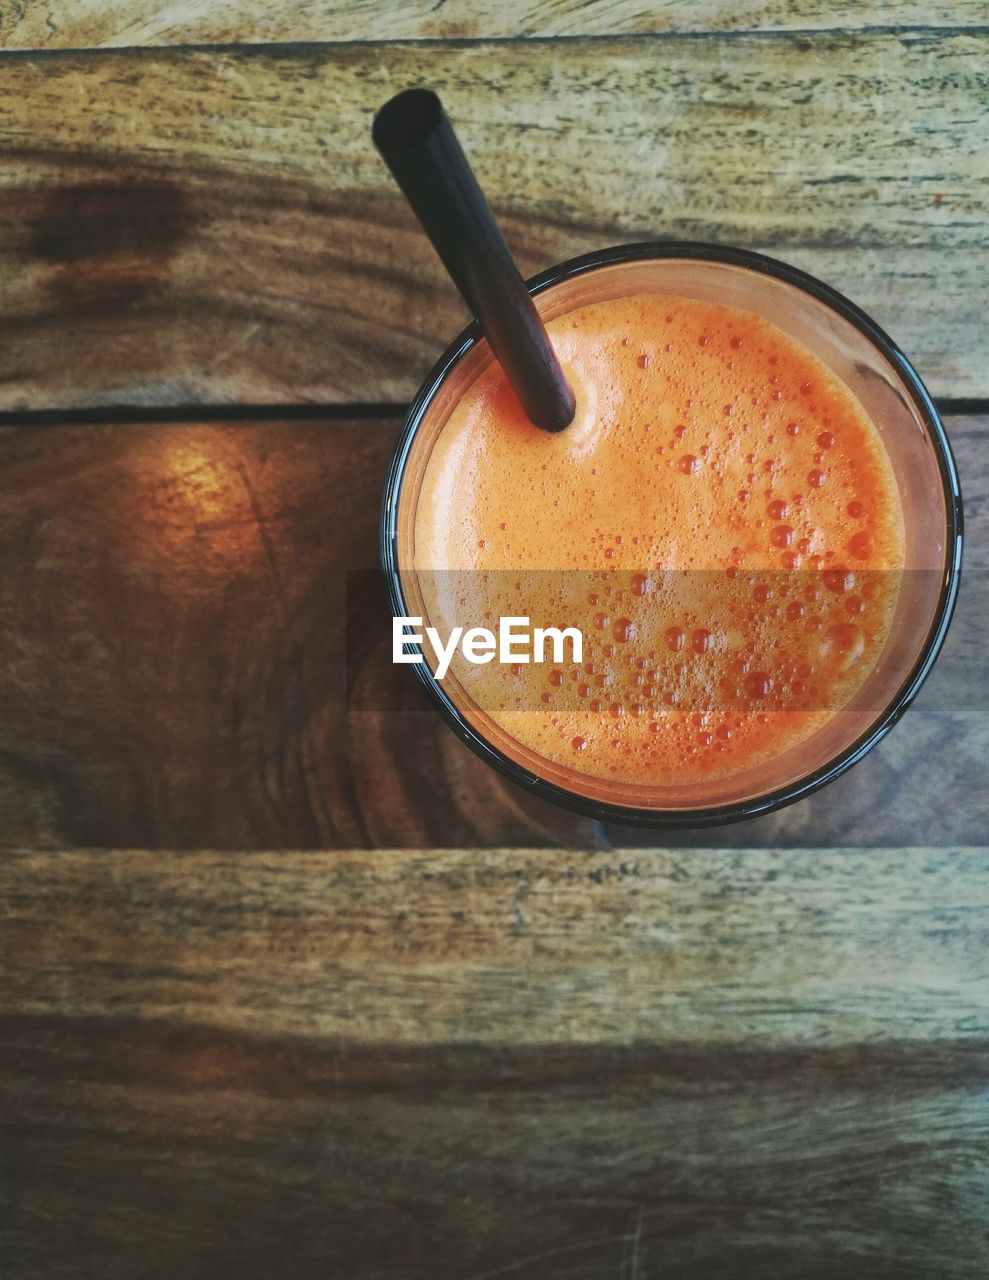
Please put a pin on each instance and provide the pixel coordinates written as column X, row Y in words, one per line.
column 720, row 521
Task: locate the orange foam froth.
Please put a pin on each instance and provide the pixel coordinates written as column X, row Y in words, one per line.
column 720, row 521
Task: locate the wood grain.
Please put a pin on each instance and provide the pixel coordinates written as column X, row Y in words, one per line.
column 770, row 949
column 194, row 652
column 213, row 226
column 469, row 1065
column 36, row 24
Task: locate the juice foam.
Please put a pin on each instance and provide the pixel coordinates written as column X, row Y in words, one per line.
column 721, row 521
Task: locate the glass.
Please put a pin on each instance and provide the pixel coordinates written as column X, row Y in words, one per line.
column 861, row 356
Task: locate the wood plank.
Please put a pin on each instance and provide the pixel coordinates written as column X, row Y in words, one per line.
column 173, row 615
column 465, row 1065
column 767, row 949
column 217, row 1158
column 175, row 609
column 81, row 23
column 215, row 226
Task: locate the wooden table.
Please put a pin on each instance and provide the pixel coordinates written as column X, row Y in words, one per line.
column 293, row 986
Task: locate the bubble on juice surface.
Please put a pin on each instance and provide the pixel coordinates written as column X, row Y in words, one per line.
column 860, row 545
column 839, row 580
column 841, row 646
column 758, row 684
column 624, row 630
column 781, row 536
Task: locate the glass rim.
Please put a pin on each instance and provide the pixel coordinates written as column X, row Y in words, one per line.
column 801, row 787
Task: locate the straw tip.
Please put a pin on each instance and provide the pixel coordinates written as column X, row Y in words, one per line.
column 406, row 120
column 557, row 414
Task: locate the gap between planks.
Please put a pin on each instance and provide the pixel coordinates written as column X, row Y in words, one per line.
column 171, row 415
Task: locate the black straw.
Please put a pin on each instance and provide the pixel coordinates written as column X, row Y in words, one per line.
column 417, row 142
